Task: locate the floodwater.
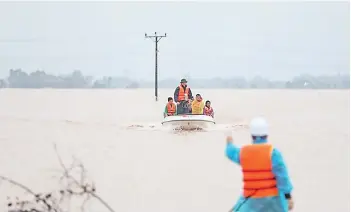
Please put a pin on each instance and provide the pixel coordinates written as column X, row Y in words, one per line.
column 139, row 166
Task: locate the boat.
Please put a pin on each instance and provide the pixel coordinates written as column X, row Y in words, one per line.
column 188, row 121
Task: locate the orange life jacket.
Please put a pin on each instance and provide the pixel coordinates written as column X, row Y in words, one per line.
column 208, row 111
column 256, row 163
column 181, row 94
column 171, row 108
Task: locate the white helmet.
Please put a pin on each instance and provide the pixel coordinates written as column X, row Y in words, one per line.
column 258, row 127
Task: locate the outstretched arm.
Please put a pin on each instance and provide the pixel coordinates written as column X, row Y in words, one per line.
column 233, row 153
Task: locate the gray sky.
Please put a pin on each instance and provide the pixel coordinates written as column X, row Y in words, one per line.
column 276, row 40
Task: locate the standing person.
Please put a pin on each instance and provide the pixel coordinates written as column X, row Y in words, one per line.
column 267, row 185
column 171, row 108
column 182, row 96
column 208, row 110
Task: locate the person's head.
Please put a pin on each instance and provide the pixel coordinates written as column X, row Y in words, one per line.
column 183, row 82
column 170, row 100
column 208, row 103
column 259, row 130
column 198, row 97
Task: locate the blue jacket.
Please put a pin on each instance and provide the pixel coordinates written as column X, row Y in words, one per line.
column 284, row 184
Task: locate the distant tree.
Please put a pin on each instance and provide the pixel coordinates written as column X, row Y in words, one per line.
column 2, row 83
column 40, row 79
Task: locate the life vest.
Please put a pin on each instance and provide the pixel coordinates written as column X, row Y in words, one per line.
column 197, row 107
column 256, row 163
column 171, row 108
column 208, row 111
column 181, row 94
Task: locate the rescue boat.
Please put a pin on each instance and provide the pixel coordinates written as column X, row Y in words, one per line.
column 188, row 121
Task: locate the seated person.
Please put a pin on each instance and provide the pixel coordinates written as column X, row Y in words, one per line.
column 208, row 110
column 184, row 106
column 170, row 109
column 197, row 106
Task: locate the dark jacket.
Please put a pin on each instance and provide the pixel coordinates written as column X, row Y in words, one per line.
column 176, row 93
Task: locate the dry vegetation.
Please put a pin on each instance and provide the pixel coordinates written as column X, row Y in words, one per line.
column 74, row 186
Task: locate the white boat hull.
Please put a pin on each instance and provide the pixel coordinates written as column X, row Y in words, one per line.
column 188, row 122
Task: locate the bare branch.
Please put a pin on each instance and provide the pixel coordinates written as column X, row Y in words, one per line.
column 54, row 201
column 17, row 184
column 92, row 192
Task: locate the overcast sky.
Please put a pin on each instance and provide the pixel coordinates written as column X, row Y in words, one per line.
column 276, row 40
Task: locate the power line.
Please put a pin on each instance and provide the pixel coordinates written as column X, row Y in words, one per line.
column 156, row 39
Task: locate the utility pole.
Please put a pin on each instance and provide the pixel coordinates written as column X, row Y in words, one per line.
column 156, row 39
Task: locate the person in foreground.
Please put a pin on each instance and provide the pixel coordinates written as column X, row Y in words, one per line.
column 267, row 185
column 208, row 110
column 197, row 106
column 170, row 109
column 183, row 97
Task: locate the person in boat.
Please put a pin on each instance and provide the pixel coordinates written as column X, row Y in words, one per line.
column 183, row 96
column 267, row 185
column 170, row 109
column 197, row 106
column 208, row 110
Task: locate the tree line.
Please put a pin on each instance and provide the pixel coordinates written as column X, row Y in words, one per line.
column 40, row 79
